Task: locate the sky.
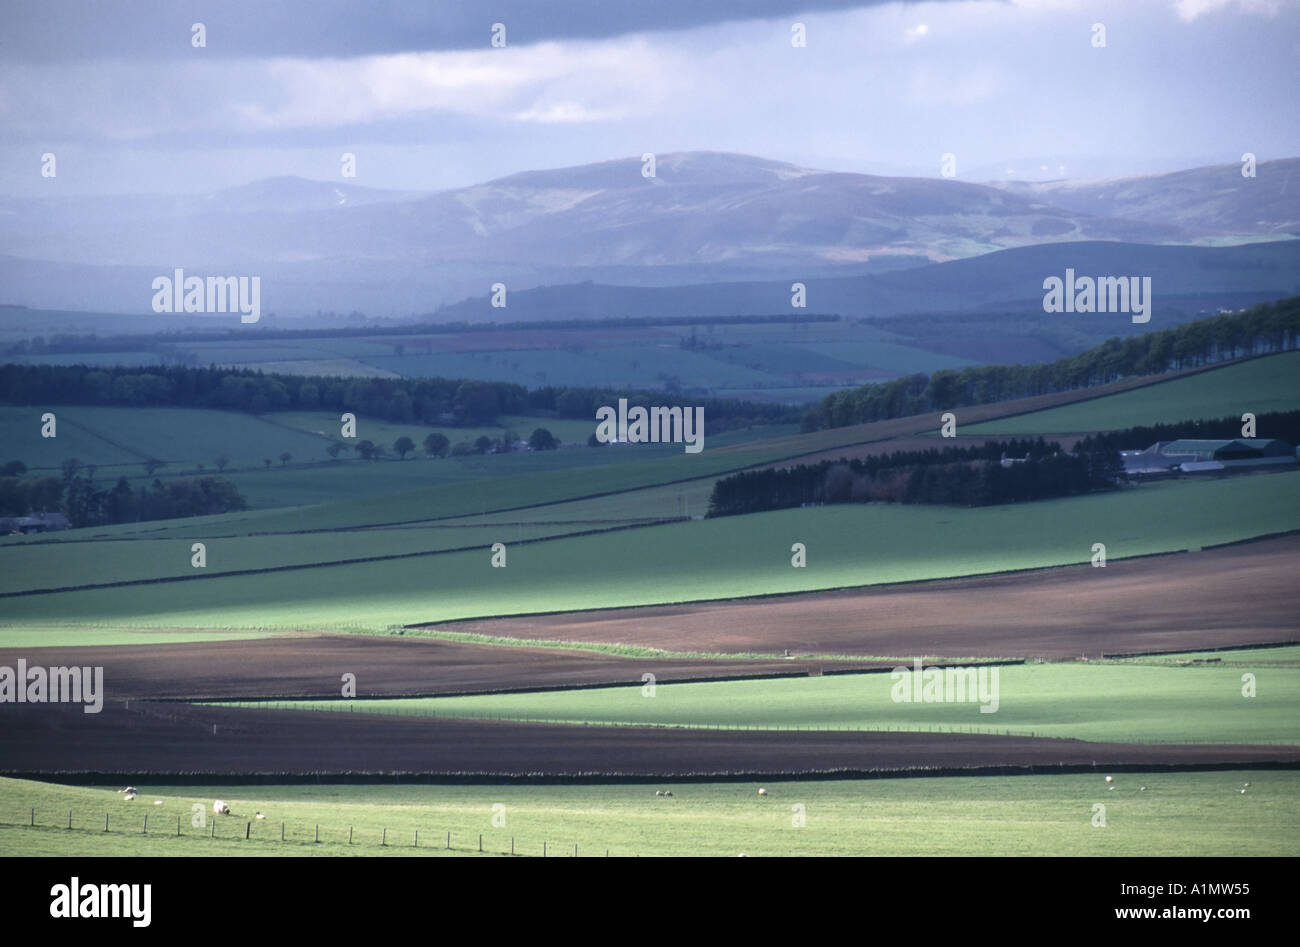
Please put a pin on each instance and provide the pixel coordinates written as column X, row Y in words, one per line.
column 126, row 102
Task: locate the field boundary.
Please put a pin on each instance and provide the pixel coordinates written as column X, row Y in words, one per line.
column 117, row 777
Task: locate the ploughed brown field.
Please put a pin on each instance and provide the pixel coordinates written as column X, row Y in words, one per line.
column 160, row 739
column 387, row 667
column 1224, row 597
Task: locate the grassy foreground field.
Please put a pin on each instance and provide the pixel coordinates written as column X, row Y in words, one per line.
column 1194, row 814
column 1100, row 701
column 692, row 561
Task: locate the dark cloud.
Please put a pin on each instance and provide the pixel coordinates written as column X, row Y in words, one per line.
column 53, row 30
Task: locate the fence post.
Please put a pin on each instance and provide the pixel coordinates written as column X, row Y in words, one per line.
column 33, row 818
column 178, row 826
column 480, row 842
column 105, row 821
column 247, row 828
column 512, row 845
column 384, row 840
column 145, row 830
column 317, row 833
column 213, row 833
column 69, row 818
column 449, row 840
column 543, row 849
column 417, row 838
column 349, row 835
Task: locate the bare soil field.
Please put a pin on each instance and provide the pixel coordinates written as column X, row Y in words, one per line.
column 1230, row 596
column 161, row 740
column 387, row 667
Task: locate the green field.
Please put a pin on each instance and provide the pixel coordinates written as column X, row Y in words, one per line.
column 1191, row 814
column 1257, row 386
column 91, row 637
column 183, row 437
column 1098, row 702
column 852, row 545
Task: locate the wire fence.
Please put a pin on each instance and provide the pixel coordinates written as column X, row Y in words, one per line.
column 300, row 835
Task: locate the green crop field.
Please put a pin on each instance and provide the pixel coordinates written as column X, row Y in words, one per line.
column 850, row 545
column 1152, row 814
column 183, row 437
column 1099, row 702
column 1257, row 386
column 91, row 637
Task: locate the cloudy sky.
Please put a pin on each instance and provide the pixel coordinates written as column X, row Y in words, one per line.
column 416, row 91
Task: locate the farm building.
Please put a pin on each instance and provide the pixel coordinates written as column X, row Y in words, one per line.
column 34, row 523
column 1198, row 456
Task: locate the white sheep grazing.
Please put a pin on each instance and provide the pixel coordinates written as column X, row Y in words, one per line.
column 668, row 792
column 762, row 792
column 220, row 808
column 658, row 792
column 129, row 796
column 259, row 816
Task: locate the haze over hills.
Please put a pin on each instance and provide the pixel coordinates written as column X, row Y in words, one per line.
column 705, row 217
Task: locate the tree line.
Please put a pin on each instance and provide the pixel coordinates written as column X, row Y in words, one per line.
column 1270, row 327
column 959, row 476
column 1283, row 425
column 427, row 400
column 78, row 497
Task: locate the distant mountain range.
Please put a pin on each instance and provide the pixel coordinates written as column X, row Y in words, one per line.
column 704, row 218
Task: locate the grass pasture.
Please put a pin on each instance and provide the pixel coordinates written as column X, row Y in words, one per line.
column 1177, row 814
column 1100, row 702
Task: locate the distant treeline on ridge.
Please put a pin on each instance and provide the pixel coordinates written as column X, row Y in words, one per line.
column 1270, row 327
column 431, row 400
column 963, row 476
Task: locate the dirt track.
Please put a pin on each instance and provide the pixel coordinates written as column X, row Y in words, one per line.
column 1235, row 595
column 178, row 739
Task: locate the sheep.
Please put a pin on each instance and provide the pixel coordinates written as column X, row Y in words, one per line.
column 762, row 792
column 668, row 792
column 128, row 789
column 259, row 816
column 220, row 808
column 1109, row 778
column 157, row 802
column 658, row 792
column 129, row 796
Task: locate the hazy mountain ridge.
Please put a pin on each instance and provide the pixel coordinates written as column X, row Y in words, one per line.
column 703, row 217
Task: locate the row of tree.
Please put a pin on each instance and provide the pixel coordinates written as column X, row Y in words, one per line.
column 85, row 504
column 428, row 400
column 974, row 476
column 1283, row 425
column 1271, row 327
column 439, row 445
